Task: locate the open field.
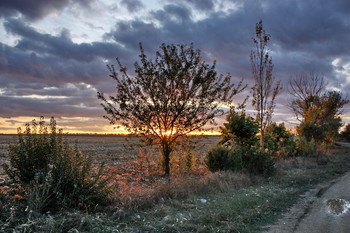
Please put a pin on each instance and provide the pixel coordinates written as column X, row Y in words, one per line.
column 118, row 152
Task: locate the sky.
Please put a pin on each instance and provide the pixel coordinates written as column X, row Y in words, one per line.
column 53, row 54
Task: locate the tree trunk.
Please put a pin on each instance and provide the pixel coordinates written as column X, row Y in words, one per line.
column 262, row 139
column 166, row 156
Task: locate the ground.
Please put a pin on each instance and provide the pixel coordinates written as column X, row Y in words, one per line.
column 324, row 209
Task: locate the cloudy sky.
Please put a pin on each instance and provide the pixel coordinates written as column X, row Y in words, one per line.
column 53, row 54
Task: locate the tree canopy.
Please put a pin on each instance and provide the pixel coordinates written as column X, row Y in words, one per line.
column 317, row 109
column 240, row 129
column 169, row 97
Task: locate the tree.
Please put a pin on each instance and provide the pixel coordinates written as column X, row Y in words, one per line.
column 241, row 149
column 317, row 110
column 169, row 97
column 264, row 91
column 279, row 141
column 306, row 90
column 240, row 129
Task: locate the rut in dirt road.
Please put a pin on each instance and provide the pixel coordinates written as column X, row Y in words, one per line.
column 325, row 209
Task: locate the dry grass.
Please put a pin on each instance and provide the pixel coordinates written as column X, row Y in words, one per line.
column 142, row 196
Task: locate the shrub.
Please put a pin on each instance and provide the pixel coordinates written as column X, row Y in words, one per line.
column 218, row 159
column 279, row 142
column 259, row 162
column 239, row 158
column 241, row 129
column 52, row 173
column 305, row 147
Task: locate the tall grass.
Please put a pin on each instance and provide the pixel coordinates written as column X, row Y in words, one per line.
column 142, row 196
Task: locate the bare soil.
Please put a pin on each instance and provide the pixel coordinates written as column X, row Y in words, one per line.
column 324, row 209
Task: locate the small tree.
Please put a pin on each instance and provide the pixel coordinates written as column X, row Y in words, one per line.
column 279, row 141
column 264, row 91
column 240, row 129
column 169, row 97
column 317, row 110
column 306, row 90
column 242, row 150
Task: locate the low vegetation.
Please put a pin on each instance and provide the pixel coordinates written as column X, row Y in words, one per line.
column 48, row 174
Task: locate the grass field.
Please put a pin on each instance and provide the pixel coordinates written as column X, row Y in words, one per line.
column 188, row 202
column 120, row 152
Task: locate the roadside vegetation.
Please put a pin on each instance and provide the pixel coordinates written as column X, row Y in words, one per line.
column 255, row 172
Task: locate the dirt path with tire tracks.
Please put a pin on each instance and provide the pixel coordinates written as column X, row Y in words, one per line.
column 325, row 209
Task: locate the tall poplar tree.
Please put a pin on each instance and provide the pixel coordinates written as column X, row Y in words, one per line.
column 264, row 90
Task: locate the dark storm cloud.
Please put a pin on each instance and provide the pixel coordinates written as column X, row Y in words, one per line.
column 132, row 5
column 309, row 26
column 66, row 100
column 220, row 38
column 20, row 65
column 306, row 35
column 181, row 13
column 34, row 85
column 202, row 5
column 36, row 9
column 132, row 33
column 61, row 45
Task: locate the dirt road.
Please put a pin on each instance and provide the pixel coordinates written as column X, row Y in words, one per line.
column 325, row 209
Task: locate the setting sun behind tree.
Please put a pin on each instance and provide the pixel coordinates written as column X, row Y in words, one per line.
column 171, row 96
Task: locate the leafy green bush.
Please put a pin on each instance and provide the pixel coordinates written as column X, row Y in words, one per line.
column 240, row 129
column 305, row 147
column 279, row 142
column 218, row 159
column 239, row 134
column 52, row 173
column 259, row 162
column 239, row 158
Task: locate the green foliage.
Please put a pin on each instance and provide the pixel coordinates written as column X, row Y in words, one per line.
column 321, row 122
column 169, row 97
column 218, row 159
column 319, row 111
column 279, row 142
column 239, row 135
column 240, row 129
column 305, row 147
column 311, row 132
column 251, row 159
column 52, row 173
column 259, row 162
column 34, row 151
